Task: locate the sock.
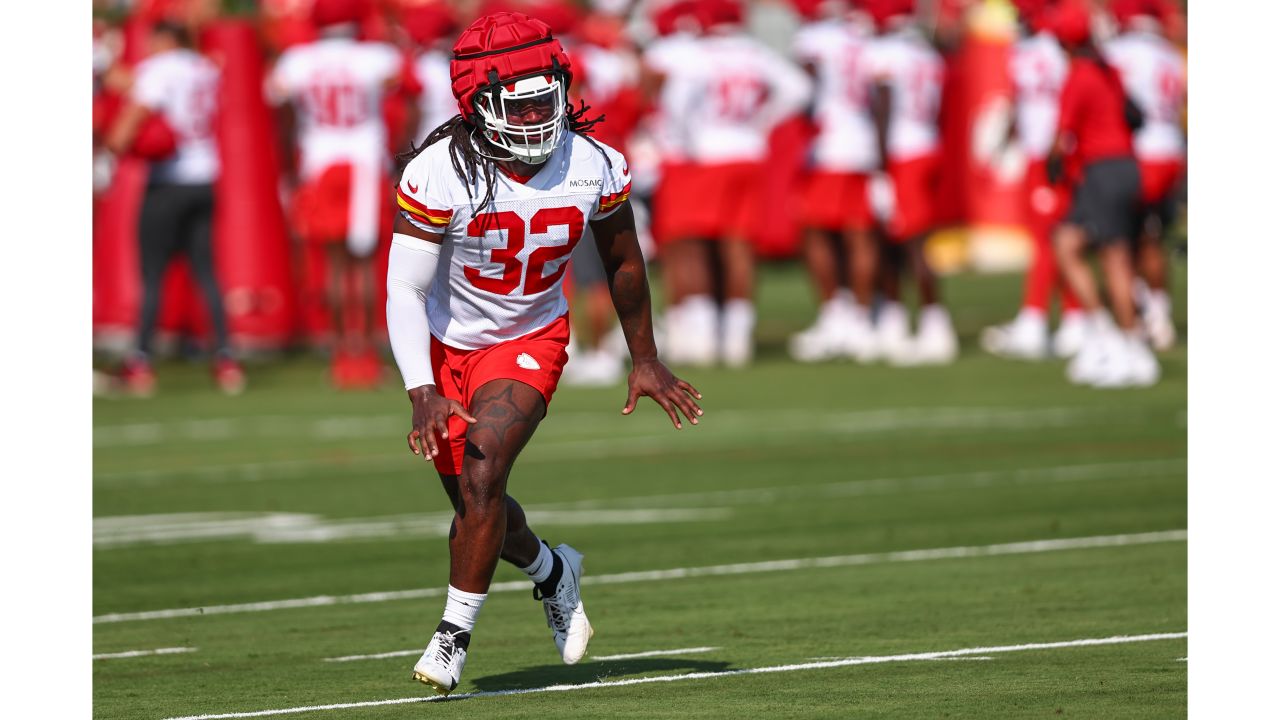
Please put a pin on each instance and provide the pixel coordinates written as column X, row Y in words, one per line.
column 1158, row 303
column 540, row 569
column 739, row 318
column 461, row 608
column 934, row 315
column 548, row 586
column 699, row 315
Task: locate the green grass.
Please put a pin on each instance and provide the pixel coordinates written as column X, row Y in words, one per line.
column 790, row 462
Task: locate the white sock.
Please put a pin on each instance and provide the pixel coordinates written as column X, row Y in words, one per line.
column 934, row 316
column 461, row 608
column 739, row 318
column 540, row 569
column 1158, row 303
column 1033, row 315
column 699, row 313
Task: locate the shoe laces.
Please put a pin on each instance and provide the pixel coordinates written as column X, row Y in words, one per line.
column 557, row 608
column 446, row 648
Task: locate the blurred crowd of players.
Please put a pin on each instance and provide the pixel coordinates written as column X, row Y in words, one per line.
column 692, row 97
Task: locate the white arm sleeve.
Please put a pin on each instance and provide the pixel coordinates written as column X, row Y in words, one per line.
column 411, row 268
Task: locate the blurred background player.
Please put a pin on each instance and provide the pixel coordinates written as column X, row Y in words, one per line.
column 739, row 89
column 1155, row 77
column 906, row 74
column 333, row 87
column 1038, row 68
column 1095, row 127
column 169, row 117
column 432, row 26
column 835, row 210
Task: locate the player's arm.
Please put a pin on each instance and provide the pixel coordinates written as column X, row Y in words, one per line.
column 126, row 126
column 616, row 242
column 411, row 269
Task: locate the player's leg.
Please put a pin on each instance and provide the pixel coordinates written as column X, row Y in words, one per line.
column 158, row 230
column 738, row 263
column 1026, row 337
column 227, row 373
column 820, row 341
column 336, row 261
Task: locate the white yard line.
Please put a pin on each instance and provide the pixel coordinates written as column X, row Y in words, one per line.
column 374, row 656
column 654, row 653
column 144, row 653
column 964, row 551
column 843, row 662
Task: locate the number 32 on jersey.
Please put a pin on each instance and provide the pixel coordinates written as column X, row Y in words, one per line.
column 507, row 256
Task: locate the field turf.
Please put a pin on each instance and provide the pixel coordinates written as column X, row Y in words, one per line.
column 295, row 492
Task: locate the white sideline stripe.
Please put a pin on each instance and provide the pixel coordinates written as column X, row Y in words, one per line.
column 374, row 656
column 143, row 653
column 654, row 653
column 964, row 551
column 844, row 662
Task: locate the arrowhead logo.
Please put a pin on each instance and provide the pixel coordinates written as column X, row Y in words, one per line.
column 412, row 188
column 526, row 361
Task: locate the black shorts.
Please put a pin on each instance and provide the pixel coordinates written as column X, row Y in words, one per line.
column 1107, row 203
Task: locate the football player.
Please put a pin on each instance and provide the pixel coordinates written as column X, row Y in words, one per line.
column 835, row 210
column 739, row 91
column 169, row 116
column 332, row 89
column 1095, row 126
column 1155, row 77
column 491, row 206
column 1037, row 69
column 906, row 75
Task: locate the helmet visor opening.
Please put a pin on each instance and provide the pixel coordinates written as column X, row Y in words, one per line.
column 525, row 116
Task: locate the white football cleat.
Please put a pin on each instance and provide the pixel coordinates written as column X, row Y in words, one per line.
column 823, row 340
column 1088, row 365
column 1159, row 328
column 1026, row 337
column 1129, row 363
column 593, row 368
column 893, row 342
column 936, row 342
column 565, row 613
column 441, row 665
column 1069, row 337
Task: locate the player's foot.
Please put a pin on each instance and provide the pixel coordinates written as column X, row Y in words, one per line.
column 1129, row 363
column 1069, row 337
column 441, row 665
column 893, row 335
column 593, row 368
column 1024, row 338
column 136, row 376
column 936, row 343
column 1160, row 330
column 228, row 374
column 858, row 341
column 565, row 613
column 824, row 339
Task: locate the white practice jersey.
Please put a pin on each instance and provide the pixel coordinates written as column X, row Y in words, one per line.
column 337, row 85
column 846, row 133
column 1038, row 68
column 182, row 85
column 674, row 57
column 913, row 70
column 502, row 266
column 741, row 90
column 436, row 102
column 1155, row 77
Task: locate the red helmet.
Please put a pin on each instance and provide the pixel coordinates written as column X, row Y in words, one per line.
column 1125, row 11
column 1034, row 13
column 337, row 12
column 511, row 76
column 428, row 21
column 818, row 9
column 719, row 12
column 1071, row 22
column 882, row 11
column 674, row 16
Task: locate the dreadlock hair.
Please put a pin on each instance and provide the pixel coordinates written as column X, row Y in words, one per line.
column 471, row 165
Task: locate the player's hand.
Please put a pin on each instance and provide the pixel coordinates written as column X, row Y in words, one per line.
column 652, row 378
column 431, row 413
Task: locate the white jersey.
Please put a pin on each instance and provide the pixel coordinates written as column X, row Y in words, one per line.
column 913, row 70
column 846, row 132
column 182, row 85
column 1155, row 77
column 337, row 85
column 436, row 102
column 1038, row 68
column 741, row 90
column 674, row 57
column 502, row 266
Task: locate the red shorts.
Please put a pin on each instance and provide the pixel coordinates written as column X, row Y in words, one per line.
column 915, row 184
column 707, row 201
column 536, row 359
column 836, row 201
column 1159, row 178
column 321, row 209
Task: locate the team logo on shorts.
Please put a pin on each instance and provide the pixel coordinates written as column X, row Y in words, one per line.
column 526, row 361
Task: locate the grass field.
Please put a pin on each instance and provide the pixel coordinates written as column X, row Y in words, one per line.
column 771, row 545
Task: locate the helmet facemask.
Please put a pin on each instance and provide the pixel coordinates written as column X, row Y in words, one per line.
column 525, row 117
